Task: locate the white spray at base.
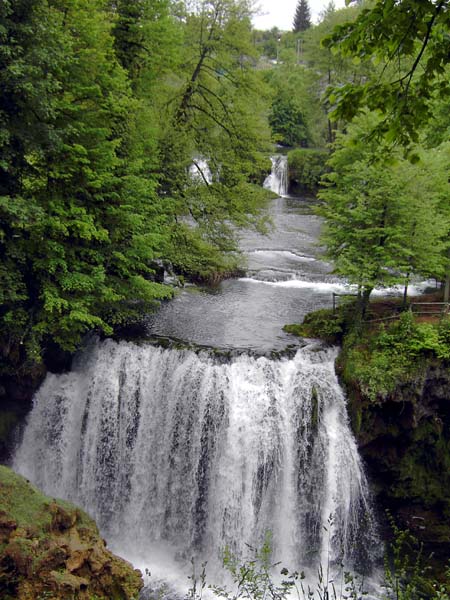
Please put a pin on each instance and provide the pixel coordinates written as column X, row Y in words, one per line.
column 172, row 449
column 277, row 181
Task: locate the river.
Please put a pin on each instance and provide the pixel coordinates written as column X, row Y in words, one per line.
column 285, row 279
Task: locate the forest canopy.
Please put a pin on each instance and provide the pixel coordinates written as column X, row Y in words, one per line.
column 104, row 108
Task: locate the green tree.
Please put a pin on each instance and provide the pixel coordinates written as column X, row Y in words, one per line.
column 287, row 120
column 266, row 41
column 77, row 245
column 302, row 17
column 296, row 115
column 306, row 168
column 409, row 40
column 424, row 196
column 378, row 229
column 215, row 113
column 330, row 68
column 147, row 40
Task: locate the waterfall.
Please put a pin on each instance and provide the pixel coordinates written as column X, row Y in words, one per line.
column 200, row 172
column 277, row 181
column 174, row 447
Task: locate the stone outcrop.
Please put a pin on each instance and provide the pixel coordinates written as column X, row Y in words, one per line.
column 404, row 439
column 19, row 380
column 50, row 548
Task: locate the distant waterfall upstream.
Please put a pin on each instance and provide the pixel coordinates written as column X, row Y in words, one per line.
column 200, row 172
column 178, row 448
column 277, row 181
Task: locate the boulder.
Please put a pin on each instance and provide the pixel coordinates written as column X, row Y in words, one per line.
column 50, row 548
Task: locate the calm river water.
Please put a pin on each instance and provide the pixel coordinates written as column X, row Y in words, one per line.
column 285, row 279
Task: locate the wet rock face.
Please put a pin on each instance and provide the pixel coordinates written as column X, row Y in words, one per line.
column 50, row 548
column 19, row 381
column 404, row 439
column 16, row 393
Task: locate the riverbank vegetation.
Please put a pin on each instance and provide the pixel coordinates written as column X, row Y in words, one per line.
column 108, row 113
column 387, row 349
column 306, row 167
column 386, row 219
column 405, row 577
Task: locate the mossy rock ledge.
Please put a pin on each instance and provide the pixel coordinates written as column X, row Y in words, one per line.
column 404, row 438
column 51, row 549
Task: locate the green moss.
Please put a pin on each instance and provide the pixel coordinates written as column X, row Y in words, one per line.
column 26, row 505
column 39, row 534
column 295, row 329
column 23, row 502
column 355, row 411
column 415, row 478
column 324, row 324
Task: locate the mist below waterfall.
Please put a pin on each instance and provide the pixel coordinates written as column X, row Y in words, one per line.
column 193, row 453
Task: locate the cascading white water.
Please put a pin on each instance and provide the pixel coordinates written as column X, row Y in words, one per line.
column 277, row 181
column 178, row 448
column 200, row 172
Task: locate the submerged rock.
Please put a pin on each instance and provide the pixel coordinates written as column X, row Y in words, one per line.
column 50, row 548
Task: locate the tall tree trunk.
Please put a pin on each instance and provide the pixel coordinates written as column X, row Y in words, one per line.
column 365, row 301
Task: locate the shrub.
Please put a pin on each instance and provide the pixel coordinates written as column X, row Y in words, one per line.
column 323, row 324
column 306, row 167
column 379, row 360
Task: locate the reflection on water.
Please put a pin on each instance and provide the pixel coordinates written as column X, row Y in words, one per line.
column 285, row 279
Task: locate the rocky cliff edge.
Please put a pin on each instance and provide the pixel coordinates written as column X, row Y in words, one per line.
column 51, row 549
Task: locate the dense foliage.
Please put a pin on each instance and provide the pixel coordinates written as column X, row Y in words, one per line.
column 104, row 107
column 378, row 229
column 299, row 112
column 306, row 168
column 409, row 39
column 75, row 244
column 382, row 359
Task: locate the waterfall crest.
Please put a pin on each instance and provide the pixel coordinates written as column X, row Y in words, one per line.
column 277, row 181
column 173, row 446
